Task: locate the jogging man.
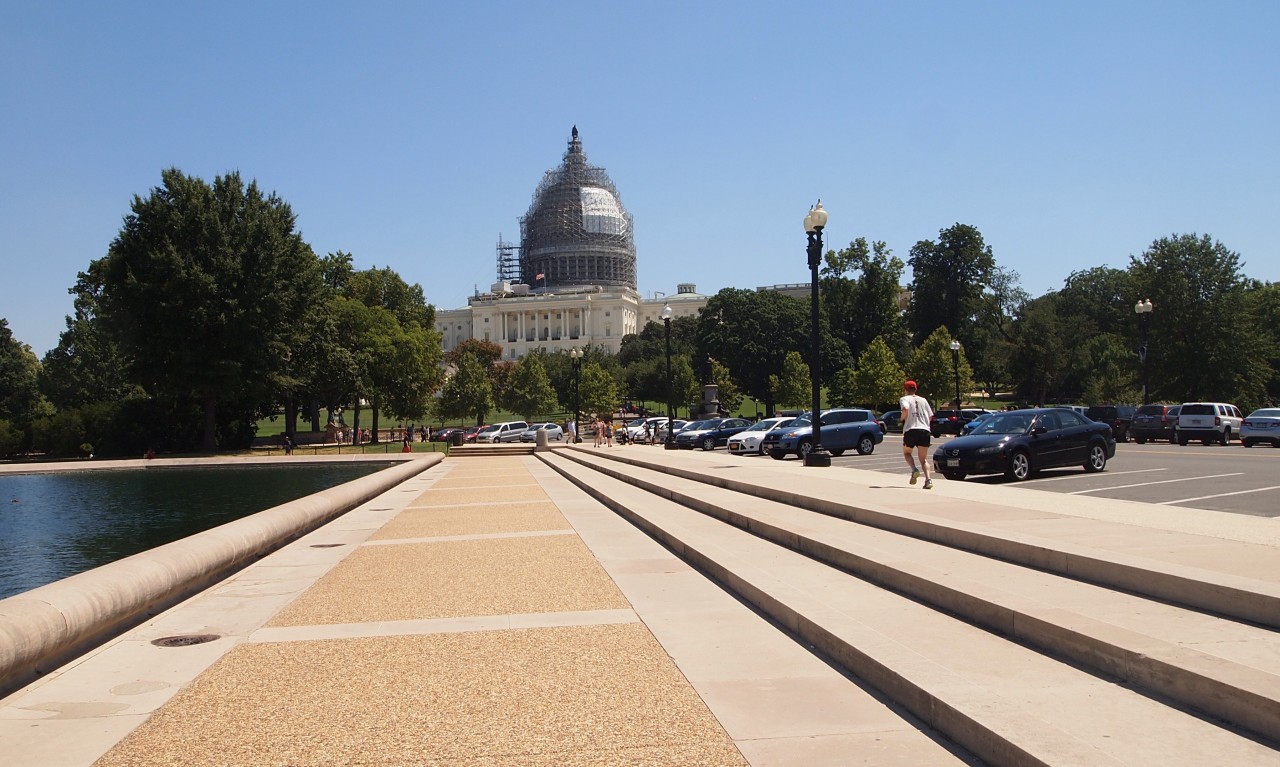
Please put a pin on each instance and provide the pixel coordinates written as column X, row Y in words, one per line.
column 915, row 432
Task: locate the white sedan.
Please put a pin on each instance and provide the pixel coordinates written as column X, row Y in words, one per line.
column 749, row 441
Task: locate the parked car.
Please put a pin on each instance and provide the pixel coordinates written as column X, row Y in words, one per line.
column 952, row 421
column 842, row 429
column 470, row 434
column 1018, row 443
column 769, row 442
column 972, row 424
column 1152, row 422
column 750, row 441
column 892, row 420
column 711, row 433
column 507, row 431
column 555, row 432
column 1261, row 426
column 1118, row 417
column 1208, row 422
column 677, row 425
column 442, row 435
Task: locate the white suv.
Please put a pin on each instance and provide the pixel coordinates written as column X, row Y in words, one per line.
column 1208, row 422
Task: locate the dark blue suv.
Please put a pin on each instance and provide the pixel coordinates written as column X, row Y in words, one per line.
column 842, row 429
column 710, row 433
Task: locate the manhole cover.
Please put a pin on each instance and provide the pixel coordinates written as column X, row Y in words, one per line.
column 325, row 545
column 184, row 640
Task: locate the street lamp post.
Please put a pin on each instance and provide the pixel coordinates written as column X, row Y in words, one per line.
column 1143, row 309
column 670, row 442
column 955, row 367
column 813, row 224
column 575, row 354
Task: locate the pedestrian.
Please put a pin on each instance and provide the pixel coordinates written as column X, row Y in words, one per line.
column 288, row 445
column 608, row 433
column 571, row 429
column 915, row 432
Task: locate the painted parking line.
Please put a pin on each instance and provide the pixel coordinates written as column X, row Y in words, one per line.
column 1221, row 495
column 1108, row 474
column 1158, row 482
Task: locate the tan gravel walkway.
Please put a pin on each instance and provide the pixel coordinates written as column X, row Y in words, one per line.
column 484, row 540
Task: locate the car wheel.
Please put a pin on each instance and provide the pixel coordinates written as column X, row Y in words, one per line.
column 837, row 453
column 1019, row 466
column 1097, row 457
column 777, row 455
column 709, row 443
column 1226, row 436
column 1140, row 440
column 955, row 475
column 1182, row 441
column 804, row 448
column 1248, row 443
column 1123, row 437
column 1206, row 442
column 866, row 445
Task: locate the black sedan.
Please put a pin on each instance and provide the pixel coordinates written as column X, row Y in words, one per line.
column 1019, row 443
column 710, row 433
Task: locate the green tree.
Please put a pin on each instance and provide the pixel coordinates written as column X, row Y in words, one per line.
column 948, row 279
column 86, row 366
column 933, row 369
column 1044, row 350
column 528, row 390
column 206, row 287
column 877, row 382
column 752, row 333
column 599, row 389
column 467, row 392
column 20, row 398
column 1204, row 344
column 793, row 387
column 864, row 308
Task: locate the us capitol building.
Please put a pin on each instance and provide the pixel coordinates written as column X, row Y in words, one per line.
column 572, row 280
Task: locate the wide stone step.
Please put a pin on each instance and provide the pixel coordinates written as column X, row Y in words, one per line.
column 998, row 687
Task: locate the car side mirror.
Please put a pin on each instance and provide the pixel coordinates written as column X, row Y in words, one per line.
column 1038, row 429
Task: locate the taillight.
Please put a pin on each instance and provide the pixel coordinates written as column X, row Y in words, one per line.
column 1217, row 420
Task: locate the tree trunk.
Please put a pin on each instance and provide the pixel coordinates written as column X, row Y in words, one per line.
column 375, row 424
column 355, row 421
column 290, row 417
column 210, row 424
column 314, row 412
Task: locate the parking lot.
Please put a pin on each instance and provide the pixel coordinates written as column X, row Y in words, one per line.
column 1233, row 478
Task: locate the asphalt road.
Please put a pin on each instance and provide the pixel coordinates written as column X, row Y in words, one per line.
column 1233, row 478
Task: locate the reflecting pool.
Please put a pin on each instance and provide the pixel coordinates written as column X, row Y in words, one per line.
column 54, row 525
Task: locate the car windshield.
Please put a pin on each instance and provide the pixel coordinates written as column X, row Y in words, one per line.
column 763, row 425
column 793, row 423
column 1266, row 413
column 696, row 426
column 1005, row 423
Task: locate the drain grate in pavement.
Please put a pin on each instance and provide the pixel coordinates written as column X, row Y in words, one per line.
column 184, row 640
column 325, row 545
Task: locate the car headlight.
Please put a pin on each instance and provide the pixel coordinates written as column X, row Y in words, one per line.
column 990, row 449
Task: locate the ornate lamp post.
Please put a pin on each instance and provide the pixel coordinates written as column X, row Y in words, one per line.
column 955, row 367
column 1143, row 310
column 575, row 354
column 813, row 224
column 670, row 442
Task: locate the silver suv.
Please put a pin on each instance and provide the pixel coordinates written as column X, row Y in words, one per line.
column 1208, row 422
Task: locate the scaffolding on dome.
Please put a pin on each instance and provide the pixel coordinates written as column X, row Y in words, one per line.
column 576, row 231
column 508, row 261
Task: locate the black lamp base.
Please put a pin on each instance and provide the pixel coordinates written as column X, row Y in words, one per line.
column 817, row 458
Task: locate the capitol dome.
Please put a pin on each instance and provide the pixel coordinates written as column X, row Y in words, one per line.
column 576, row 232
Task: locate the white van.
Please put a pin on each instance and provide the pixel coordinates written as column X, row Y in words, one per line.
column 508, row 431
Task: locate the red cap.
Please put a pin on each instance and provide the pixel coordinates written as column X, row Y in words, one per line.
column 909, row 385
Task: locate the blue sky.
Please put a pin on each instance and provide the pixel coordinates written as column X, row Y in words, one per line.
column 1071, row 135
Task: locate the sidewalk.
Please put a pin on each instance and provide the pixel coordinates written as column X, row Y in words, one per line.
column 488, row 612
